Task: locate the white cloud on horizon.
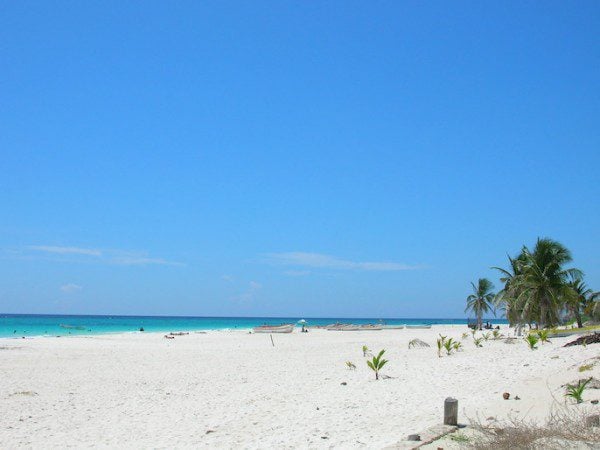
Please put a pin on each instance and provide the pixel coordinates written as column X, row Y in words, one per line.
column 117, row 257
column 65, row 250
column 70, row 288
column 318, row 260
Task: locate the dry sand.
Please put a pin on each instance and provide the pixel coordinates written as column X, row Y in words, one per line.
column 235, row 390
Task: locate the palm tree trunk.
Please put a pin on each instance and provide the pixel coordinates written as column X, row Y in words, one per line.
column 479, row 321
column 578, row 316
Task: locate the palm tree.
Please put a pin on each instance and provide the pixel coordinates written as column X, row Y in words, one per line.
column 506, row 297
column 581, row 298
column 542, row 286
column 481, row 300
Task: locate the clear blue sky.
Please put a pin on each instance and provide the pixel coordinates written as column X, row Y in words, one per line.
column 290, row 158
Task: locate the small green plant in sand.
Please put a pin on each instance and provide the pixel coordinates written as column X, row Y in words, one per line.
column 477, row 342
column 440, row 345
column 473, row 331
column 576, row 391
column 465, row 335
column 532, row 341
column 486, row 336
column 496, row 334
column 586, row 367
column 377, row 363
column 457, row 346
column 459, row 438
column 366, row 350
column 449, row 346
column 543, row 335
column 350, row 365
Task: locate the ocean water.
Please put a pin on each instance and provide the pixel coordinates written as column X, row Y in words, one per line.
column 29, row 325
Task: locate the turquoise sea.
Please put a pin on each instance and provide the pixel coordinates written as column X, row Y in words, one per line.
column 28, row 325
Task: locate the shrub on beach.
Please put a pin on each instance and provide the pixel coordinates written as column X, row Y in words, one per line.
column 477, row 341
column 575, row 391
column 377, row 363
column 543, row 335
column 532, row 341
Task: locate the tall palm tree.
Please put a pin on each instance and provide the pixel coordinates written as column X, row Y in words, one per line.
column 542, row 286
column 581, row 298
column 481, row 300
column 506, row 298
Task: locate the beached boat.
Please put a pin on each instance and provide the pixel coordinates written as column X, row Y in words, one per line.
column 393, row 327
column 370, row 327
column 418, row 327
column 285, row 328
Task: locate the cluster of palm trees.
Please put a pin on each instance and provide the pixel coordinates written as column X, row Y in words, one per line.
column 537, row 289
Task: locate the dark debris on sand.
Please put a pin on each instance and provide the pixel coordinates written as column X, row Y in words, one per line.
column 585, row 340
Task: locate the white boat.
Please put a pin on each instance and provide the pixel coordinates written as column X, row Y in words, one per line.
column 419, row 327
column 370, row 327
column 393, row 327
column 286, row 328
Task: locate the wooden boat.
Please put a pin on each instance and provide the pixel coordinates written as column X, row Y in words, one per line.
column 285, row 328
column 393, row 327
column 371, row 327
column 418, row 327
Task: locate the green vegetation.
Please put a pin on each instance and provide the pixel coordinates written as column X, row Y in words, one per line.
column 543, row 335
column 465, row 335
column 457, row 346
column 477, row 342
column 377, row 363
column 481, row 300
column 365, row 350
column 440, row 345
column 449, row 346
column 538, row 287
column 532, row 341
column 586, row 367
column 576, row 391
column 350, row 365
column 459, row 438
column 486, row 336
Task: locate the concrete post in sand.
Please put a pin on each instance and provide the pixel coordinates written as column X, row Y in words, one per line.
column 450, row 411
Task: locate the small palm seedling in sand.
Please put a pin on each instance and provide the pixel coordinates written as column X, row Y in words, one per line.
column 543, row 335
column 449, row 346
column 486, row 336
column 477, row 341
column 576, row 391
column 457, row 346
column 465, row 335
column 532, row 341
column 497, row 334
column 440, row 345
column 366, row 351
column 350, row 365
column 377, row 363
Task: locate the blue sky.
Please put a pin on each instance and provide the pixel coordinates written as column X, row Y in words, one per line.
column 290, row 158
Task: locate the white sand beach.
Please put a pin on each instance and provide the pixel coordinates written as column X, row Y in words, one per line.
column 235, row 390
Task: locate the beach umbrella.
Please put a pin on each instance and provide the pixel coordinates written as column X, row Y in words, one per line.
column 302, row 321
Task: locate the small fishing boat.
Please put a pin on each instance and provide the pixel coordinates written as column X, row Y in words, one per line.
column 418, row 327
column 370, row 327
column 72, row 327
column 393, row 327
column 285, row 328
